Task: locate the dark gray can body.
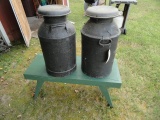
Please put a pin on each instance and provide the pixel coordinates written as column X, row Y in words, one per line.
column 99, row 43
column 57, row 39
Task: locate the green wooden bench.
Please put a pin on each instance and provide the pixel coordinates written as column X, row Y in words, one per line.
column 37, row 71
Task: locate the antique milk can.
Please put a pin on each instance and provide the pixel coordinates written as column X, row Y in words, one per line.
column 99, row 41
column 57, row 39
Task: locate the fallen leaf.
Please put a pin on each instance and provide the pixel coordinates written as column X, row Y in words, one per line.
column 97, row 99
column 76, row 91
column 19, row 116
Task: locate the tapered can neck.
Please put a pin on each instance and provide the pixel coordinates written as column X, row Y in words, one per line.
column 101, row 20
column 55, row 20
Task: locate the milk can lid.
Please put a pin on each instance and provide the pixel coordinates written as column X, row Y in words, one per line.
column 53, row 10
column 102, row 12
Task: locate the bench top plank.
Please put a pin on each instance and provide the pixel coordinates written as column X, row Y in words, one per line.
column 37, row 71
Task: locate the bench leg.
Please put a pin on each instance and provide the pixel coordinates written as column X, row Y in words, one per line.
column 38, row 88
column 106, row 94
column 125, row 15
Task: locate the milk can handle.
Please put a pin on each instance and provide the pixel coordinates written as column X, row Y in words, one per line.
column 59, row 25
column 106, row 44
column 109, row 55
column 66, row 27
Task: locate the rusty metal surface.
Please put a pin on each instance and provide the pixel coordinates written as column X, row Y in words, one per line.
column 29, row 8
column 9, row 21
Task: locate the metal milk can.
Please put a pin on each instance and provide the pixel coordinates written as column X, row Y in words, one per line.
column 99, row 41
column 57, row 39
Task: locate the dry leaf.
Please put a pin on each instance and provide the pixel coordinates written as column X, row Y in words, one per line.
column 76, row 91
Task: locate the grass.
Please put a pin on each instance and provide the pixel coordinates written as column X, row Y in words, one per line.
column 139, row 64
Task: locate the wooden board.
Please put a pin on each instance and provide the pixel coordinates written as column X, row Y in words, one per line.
column 63, row 2
column 22, row 20
column 59, row 2
column 66, row 2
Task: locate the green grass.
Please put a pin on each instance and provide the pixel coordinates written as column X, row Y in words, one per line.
column 138, row 55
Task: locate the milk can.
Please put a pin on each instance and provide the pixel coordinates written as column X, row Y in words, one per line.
column 99, row 41
column 57, row 39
